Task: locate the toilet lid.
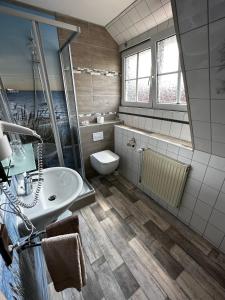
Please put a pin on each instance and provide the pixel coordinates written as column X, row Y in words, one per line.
column 105, row 156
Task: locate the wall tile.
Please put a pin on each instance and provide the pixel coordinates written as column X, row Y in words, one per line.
column 202, row 144
column 214, row 235
column 202, row 129
column 208, row 194
column 193, row 186
column 218, row 219
column 218, row 132
column 192, row 14
column 216, row 42
column 175, row 129
column 201, row 157
column 200, row 110
column 217, row 76
column 218, row 111
column 188, row 200
column 214, row 178
column 216, row 9
column 218, row 148
column 185, row 133
column 220, row 203
column 195, row 48
column 217, row 162
column 198, row 223
column 187, row 153
column 197, row 171
column 202, row 209
column 185, row 214
column 198, row 83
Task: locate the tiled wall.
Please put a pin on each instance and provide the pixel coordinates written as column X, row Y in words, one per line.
column 139, row 17
column 203, row 202
column 201, row 26
column 89, row 146
column 171, row 123
column 94, row 49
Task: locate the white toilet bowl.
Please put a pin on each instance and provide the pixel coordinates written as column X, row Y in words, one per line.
column 104, row 162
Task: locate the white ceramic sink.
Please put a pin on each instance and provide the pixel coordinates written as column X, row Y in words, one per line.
column 60, row 188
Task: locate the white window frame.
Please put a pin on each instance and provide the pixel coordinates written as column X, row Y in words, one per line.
column 152, row 43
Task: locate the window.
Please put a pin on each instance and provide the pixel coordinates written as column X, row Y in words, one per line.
column 138, row 77
column 170, row 88
column 152, row 75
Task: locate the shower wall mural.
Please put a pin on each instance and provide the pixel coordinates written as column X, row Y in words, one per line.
column 21, row 80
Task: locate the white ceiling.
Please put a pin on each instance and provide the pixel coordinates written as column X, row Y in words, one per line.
column 96, row 11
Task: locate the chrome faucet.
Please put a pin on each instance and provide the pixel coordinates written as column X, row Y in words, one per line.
column 28, row 185
column 25, row 184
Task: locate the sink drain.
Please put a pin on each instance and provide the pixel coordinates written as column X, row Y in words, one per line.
column 52, row 198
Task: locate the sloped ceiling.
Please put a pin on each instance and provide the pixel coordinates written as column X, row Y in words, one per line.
column 141, row 16
column 200, row 29
column 99, row 12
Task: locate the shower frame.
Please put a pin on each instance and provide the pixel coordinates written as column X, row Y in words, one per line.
column 36, row 19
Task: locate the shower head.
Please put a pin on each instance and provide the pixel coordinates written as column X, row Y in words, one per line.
column 5, row 148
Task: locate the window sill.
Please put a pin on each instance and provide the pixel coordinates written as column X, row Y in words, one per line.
column 159, row 136
column 177, row 107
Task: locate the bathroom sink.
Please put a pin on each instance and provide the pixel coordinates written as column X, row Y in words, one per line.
column 60, row 188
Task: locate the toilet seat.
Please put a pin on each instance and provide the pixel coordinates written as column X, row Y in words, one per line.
column 105, row 156
column 104, row 162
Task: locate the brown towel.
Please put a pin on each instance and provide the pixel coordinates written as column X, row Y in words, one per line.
column 65, row 226
column 65, row 261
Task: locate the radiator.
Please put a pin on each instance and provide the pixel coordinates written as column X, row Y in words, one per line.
column 163, row 176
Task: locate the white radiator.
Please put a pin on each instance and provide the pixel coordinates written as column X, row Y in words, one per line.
column 164, row 176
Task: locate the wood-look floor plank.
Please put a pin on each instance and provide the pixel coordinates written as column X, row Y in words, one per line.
column 109, row 251
column 139, row 271
column 98, row 211
column 126, row 280
column 89, row 242
column 103, row 202
column 119, row 206
column 168, row 263
column 92, row 290
column 152, row 215
column 127, row 193
column 193, row 237
column 141, row 232
column 217, row 257
column 126, row 232
column 208, row 283
column 213, row 269
column 191, row 287
column 135, row 211
column 103, row 189
column 159, row 235
column 166, row 283
column 107, row 281
column 127, row 184
column 138, row 295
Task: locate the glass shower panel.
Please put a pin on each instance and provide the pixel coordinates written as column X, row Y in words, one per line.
column 70, row 94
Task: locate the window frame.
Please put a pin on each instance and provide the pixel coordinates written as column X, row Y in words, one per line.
column 151, row 43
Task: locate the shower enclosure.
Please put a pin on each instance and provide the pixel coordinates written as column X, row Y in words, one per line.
column 64, row 123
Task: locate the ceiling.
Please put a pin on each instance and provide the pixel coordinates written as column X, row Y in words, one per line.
column 95, row 11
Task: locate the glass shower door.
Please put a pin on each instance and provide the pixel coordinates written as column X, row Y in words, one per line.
column 71, row 103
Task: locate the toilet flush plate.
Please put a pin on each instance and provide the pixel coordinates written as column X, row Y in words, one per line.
column 98, row 136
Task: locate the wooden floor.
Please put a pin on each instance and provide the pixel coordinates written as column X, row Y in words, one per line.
column 136, row 250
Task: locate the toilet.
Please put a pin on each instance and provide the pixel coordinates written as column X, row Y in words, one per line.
column 104, row 162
